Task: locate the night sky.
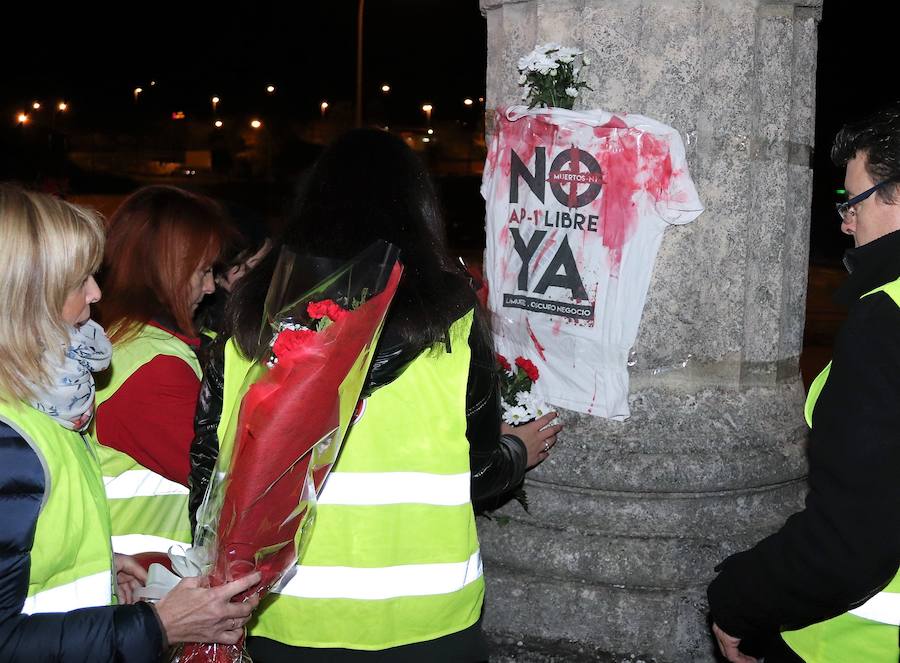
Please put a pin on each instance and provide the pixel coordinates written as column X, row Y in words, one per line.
column 427, row 50
column 855, row 75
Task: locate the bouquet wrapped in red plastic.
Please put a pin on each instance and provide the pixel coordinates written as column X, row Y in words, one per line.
column 296, row 404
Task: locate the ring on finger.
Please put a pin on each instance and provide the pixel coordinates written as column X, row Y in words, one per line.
column 546, row 447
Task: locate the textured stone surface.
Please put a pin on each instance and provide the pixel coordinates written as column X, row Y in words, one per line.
column 628, row 519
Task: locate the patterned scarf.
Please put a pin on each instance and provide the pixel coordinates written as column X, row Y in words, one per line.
column 70, row 400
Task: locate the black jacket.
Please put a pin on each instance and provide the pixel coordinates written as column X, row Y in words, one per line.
column 119, row 634
column 845, row 544
column 497, row 461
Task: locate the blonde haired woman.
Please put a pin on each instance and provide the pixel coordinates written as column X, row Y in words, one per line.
column 56, row 561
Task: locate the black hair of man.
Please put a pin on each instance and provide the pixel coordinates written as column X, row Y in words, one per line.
column 877, row 136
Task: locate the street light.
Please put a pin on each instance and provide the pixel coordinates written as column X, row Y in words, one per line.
column 468, row 102
column 62, row 106
column 385, row 88
column 428, row 108
column 256, row 124
column 137, row 93
column 22, row 118
column 358, row 107
column 323, row 107
column 215, row 102
column 270, row 89
column 218, row 124
column 36, row 105
column 430, row 132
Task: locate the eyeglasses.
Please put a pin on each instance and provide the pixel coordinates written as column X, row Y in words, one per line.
column 848, row 207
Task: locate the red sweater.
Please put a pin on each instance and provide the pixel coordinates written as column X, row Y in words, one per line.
column 151, row 416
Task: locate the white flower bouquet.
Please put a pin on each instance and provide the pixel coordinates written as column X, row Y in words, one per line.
column 549, row 76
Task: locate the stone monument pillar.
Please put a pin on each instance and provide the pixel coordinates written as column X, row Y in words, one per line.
column 628, row 519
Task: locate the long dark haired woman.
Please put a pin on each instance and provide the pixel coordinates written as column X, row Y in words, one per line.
column 393, row 570
column 162, row 244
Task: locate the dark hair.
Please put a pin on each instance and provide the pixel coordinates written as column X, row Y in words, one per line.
column 876, row 136
column 368, row 185
column 156, row 239
column 249, row 236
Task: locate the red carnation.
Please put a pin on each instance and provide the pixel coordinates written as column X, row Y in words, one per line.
column 290, row 340
column 504, row 363
column 327, row 308
column 530, row 369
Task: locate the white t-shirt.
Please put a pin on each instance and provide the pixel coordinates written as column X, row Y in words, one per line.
column 577, row 203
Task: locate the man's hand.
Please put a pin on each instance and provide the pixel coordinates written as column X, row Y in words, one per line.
column 728, row 645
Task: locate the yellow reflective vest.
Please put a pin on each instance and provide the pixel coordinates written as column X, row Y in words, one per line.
column 148, row 511
column 393, row 557
column 71, row 558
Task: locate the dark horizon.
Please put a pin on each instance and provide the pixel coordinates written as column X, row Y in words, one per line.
column 426, row 50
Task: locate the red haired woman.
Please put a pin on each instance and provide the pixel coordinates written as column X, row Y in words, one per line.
column 160, row 249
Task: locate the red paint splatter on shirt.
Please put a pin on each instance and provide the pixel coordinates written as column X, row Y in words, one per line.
column 537, row 344
column 548, row 243
column 590, row 409
column 524, row 135
column 631, row 161
column 503, row 237
column 615, row 122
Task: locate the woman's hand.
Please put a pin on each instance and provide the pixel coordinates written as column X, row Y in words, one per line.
column 193, row 612
column 538, row 435
column 130, row 575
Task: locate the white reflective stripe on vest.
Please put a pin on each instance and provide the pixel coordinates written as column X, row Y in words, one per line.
column 342, row 582
column 132, row 544
column 374, row 488
column 140, row 483
column 87, row 592
column 884, row 607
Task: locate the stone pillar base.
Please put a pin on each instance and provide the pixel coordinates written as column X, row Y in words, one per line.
column 627, row 520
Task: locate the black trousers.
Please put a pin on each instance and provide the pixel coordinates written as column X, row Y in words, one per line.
column 466, row 646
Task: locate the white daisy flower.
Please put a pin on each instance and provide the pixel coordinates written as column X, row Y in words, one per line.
column 567, row 54
column 515, row 415
column 549, row 47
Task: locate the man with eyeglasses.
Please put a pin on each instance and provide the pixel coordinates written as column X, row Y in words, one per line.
column 827, row 581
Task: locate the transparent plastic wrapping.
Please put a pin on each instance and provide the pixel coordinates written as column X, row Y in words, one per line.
column 322, row 321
